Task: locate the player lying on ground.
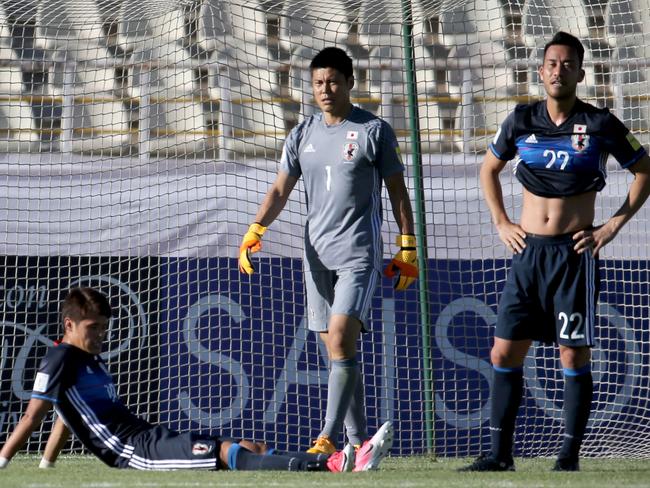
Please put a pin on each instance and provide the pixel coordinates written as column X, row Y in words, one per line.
column 74, row 379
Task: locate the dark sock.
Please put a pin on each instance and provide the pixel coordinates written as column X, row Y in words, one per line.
column 242, row 459
column 305, row 456
column 507, row 389
column 578, row 393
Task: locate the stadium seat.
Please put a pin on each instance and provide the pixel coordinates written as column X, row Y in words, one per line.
column 136, row 32
column 388, row 84
column 18, row 131
column 631, row 80
column 378, row 25
column 303, row 25
column 541, row 19
column 226, row 25
column 250, row 117
column 83, row 71
column 474, row 21
column 215, row 27
column 176, row 119
column 486, row 90
column 626, row 21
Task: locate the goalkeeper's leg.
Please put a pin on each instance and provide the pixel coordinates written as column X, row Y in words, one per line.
column 344, row 374
column 356, row 423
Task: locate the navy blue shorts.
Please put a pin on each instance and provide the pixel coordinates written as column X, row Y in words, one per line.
column 550, row 294
column 162, row 449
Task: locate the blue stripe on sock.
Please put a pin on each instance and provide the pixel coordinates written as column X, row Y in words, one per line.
column 499, row 369
column 232, row 456
column 270, row 452
column 577, row 372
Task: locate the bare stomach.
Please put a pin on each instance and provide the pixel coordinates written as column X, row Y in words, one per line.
column 554, row 216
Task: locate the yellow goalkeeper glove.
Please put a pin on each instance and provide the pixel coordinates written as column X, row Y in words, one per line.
column 405, row 262
column 252, row 242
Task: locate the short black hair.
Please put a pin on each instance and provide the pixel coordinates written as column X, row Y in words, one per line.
column 333, row 57
column 566, row 39
column 82, row 302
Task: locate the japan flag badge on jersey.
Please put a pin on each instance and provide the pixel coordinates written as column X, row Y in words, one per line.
column 352, row 135
column 579, row 139
column 350, row 151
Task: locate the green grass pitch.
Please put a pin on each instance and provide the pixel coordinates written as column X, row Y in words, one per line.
column 415, row 471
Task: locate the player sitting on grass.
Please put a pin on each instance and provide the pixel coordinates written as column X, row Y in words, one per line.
column 74, row 379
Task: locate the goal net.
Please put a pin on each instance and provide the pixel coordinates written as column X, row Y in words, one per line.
column 138, row 138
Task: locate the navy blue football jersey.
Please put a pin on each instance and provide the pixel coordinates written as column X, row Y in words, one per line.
column 84, row 395
column 564, row 160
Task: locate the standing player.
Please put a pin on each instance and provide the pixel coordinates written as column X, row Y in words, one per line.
column 73, row 377
column 551, row 291
column 343, row 154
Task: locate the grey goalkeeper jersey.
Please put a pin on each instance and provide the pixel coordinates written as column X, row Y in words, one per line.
column 342, row 168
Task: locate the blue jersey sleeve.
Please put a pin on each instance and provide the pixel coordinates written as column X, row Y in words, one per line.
column 51, row 376
column 622, row 143
column 289, row 162
column 386, row 150
column 504, row 145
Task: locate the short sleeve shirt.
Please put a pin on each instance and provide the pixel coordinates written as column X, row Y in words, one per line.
column 564, row 160
column 342, row 167
column 84, row 395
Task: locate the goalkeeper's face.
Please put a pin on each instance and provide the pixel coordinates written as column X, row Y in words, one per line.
column 332, row 91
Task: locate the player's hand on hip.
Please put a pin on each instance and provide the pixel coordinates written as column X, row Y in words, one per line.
column 405, row 263
column 252, row 242
column 592, row 239
column 513, row 236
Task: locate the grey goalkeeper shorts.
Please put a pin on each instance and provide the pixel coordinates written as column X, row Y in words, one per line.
column 345, row 291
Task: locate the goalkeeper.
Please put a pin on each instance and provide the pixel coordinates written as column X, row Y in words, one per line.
column 73, row 377
column 343, row 154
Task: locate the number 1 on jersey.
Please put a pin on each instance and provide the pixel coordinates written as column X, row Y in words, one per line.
column 328, row 180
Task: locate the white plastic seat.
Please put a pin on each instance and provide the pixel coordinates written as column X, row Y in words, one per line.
column 486, row 97
column 541, row 19
column 251, row 120
column 73, row 34
column 626, row 21
column 475, row 21
column 176, row 119
column 18, row 130
column 215, row 27
column 302, row 25
column 11, row 76
column 135, row 31
column 631, row 81
column 225, row 24
column 389, row 86
column 378, row 25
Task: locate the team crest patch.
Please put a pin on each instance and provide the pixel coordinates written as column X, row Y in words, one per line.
column 201, row 448
column 350, row 151
column 579, row 139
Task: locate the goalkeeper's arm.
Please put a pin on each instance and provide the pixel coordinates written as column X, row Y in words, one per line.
column 274, row 201
column 404, row 264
